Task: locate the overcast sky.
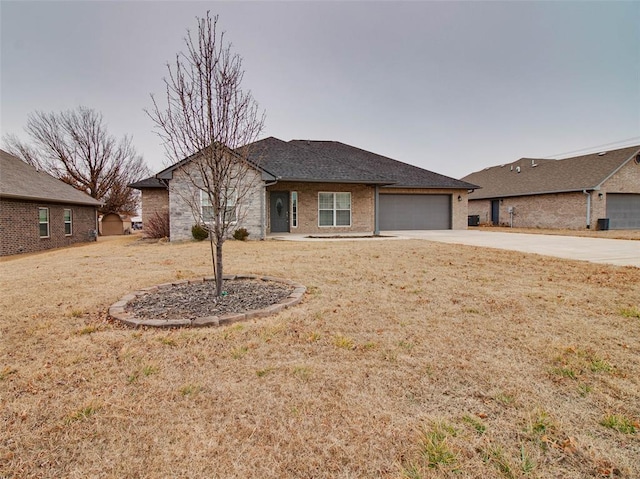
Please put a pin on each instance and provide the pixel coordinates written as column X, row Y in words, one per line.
column 452, row 87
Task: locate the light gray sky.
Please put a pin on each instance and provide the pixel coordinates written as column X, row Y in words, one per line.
column 452, row 87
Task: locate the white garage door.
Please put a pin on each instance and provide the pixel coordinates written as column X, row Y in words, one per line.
column 415, row 212
column 623, row 211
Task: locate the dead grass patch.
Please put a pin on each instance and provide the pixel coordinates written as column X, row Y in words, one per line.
column 406, row 359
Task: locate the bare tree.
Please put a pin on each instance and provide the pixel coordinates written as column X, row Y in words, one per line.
column 209, row 115
column 76, row 147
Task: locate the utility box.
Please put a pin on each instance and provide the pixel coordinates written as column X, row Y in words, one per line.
column 473, row 220
column 603, row 224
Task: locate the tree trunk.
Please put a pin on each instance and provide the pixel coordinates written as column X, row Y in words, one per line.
column 218, row 270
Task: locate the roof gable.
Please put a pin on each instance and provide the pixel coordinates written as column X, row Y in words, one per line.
column 20, row 180
column 528, row 176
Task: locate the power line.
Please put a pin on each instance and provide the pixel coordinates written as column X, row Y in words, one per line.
column 592, row 147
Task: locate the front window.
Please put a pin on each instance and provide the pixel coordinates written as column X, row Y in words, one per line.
column 43, row 214
column 294, row 209
column 68, row 221
column 207, row 209
column 334, row 209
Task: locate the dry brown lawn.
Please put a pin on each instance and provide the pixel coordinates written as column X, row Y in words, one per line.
column 406, row 359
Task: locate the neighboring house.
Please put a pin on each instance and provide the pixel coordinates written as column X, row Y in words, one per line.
column 322, row 187
column 155, row 198
column 596, row 190
column 39, row 212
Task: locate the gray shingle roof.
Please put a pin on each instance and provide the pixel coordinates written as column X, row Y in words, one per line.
column 19, row 180
column 151, row 182
column 335, row 162
column 396, row 173
column 332, row 162
column 296, row 161
column 522, row 178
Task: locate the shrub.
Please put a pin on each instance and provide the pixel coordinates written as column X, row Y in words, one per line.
column 241, row 234
column 158, row 226
column 199, row 233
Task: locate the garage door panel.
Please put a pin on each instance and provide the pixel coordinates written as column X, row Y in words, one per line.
column 623, row 211
column 415, row 212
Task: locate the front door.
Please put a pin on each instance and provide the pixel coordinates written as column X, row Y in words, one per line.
column 279, row 211
column 495, row 212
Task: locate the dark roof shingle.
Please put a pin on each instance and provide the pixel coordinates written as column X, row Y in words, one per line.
column 151, row 182
column 528, row 176
column 20, row 180
column 396, row 173
column 331, row 162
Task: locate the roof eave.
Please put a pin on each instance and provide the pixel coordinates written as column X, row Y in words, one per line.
column 437, row 187
column 135, row 186
column 538, row 193
column 91, row 202
column 335, row 180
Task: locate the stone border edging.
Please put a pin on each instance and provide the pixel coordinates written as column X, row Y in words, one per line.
column 117, row 309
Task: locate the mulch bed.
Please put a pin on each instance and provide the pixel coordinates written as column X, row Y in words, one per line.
column 196, row 300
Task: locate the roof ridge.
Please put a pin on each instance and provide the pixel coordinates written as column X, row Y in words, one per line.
column 358, row 167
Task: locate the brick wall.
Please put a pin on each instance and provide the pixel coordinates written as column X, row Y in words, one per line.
column 626, row 180
column 482, row 208
column 154, row 200
column 20, row 230
column 561, row 210
column 184, row 206
column 362, row 206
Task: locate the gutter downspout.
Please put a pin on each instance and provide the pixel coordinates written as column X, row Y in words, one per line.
column 588, row 208
column 376, row 209
column 263, row 214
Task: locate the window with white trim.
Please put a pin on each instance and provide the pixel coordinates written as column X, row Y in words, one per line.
column 68, row 222
column 43, row 216
column 294, row 209
column 334, row 209
column 206, row 208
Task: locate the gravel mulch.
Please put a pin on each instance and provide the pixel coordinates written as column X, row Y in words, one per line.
column 196, row 300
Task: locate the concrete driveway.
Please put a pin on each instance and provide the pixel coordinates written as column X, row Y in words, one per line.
column 595, row 250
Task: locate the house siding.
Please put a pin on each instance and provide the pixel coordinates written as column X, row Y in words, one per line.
column 362, row 206
column 458, row 208
column 154, row 200
column 626, row 180
column 19, row 226
column 184, row 198
column 562, row 210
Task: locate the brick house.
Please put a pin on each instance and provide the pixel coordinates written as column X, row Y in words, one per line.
column 39, row 212
column 155, row 197
column 596, row 190
column 319, row 187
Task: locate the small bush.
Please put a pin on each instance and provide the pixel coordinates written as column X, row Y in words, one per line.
column 199, row 233
column 158, row 226
column 241, row 234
